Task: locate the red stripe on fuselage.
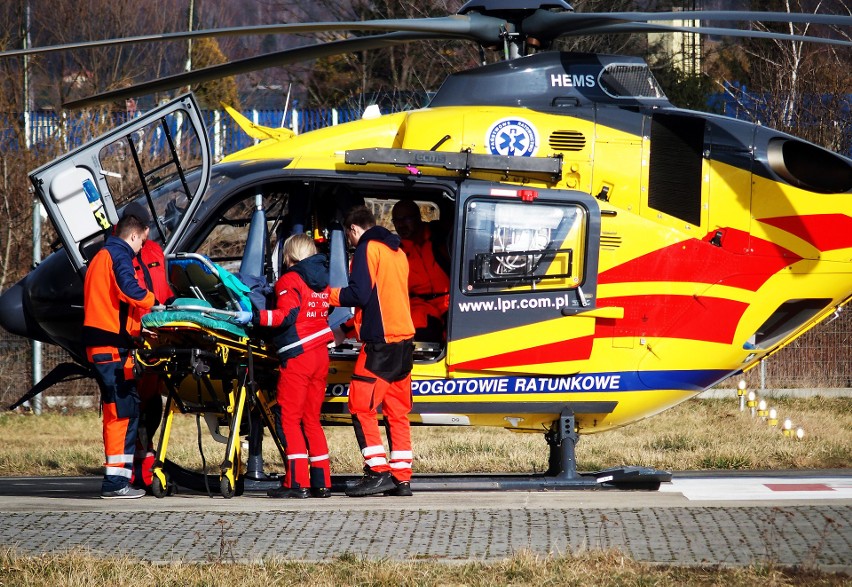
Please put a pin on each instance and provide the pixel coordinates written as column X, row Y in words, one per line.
column 826, row 232
column 698, row 318
column 740, row 260
column 575, row 349
column 670, row 316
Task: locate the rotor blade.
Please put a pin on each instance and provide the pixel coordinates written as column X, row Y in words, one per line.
column 250, row 64
column 477, row 27
column 642, row 27
column 549, row 25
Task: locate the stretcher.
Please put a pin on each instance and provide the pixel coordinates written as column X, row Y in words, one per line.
column 208, row 365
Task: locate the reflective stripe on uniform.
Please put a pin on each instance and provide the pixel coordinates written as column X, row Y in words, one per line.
column 400, row 465
column 114, row 459
column 374, row 450
column 118, row 472
column 376, row 461
column 401, row 455
column 319, row 458
column 308, row 338
column 297, row 456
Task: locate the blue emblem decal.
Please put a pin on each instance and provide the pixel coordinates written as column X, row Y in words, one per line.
column 514, row 137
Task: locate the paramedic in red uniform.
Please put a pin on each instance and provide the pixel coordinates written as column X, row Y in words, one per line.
column 378, row 290
column 302, row 336
column 150, row 267
column 111, row 299
column 428, row 269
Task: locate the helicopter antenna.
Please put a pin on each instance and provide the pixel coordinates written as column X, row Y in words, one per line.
column 286, row 105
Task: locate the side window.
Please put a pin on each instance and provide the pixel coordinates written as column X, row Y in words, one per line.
column 226, row 242
column 523, row 246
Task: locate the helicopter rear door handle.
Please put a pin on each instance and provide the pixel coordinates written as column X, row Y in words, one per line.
column 607, row 312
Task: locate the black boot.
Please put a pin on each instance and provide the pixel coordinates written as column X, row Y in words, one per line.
column 402, row 489
column 320, row 492
column 371, row 484
column 287, row 492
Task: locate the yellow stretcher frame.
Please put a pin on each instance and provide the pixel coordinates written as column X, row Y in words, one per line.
column 223, row 368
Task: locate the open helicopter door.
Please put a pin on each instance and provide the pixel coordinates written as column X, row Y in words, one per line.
column 525, row 301
column 83, row 191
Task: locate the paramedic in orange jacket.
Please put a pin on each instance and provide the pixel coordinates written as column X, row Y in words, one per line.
column 150, row 269
column 378, row 289
column 428, row 270
column 301, row 337
column 111, row 299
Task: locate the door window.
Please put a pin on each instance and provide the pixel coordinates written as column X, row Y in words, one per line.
column 161, row 160
column 522, row 246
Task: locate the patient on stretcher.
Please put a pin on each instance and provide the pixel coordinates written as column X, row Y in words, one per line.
column 207, row 295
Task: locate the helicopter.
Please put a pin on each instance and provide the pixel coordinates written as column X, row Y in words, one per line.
column 612, row 255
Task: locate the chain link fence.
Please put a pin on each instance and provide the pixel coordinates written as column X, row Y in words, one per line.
column 16, row 370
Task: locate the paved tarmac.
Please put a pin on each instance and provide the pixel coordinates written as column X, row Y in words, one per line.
column 786, row 519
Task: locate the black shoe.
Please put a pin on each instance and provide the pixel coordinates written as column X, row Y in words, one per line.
column 287, row 492
column 371, row 484
column 402, row 489
column 320, row 492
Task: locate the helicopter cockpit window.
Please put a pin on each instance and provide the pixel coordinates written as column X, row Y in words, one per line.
column 630, row 81
column 523, row 246
column 156, row 161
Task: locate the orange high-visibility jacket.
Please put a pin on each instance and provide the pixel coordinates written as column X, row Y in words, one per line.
column 428, row 282
column 111, row 296
column 378, row 288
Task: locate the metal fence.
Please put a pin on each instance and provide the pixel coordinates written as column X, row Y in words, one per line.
column 47, row 128
column 73, row 130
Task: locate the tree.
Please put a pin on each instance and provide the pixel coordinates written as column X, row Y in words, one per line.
column 801, row 88
column 206, row 52
column 87, row 71
column 410, row 69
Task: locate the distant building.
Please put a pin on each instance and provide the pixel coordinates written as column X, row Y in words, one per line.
column 684, row 49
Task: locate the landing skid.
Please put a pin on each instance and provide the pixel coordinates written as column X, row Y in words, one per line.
column 561, row 474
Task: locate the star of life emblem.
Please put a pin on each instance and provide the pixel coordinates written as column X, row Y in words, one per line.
column 514, row 137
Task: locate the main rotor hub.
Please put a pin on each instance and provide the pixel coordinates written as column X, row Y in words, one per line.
column 515, row 42
column 512, row 10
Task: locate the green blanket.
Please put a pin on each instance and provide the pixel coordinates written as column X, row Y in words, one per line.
column 210, row 320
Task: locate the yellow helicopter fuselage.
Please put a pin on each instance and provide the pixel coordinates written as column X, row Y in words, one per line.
column 680, row 304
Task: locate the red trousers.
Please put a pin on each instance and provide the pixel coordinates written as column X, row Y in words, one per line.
column 368, row 391
column 301, row 390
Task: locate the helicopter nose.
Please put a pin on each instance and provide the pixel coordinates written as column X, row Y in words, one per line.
column 13, row 316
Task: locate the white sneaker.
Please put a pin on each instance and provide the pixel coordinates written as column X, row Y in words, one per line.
column 126, row 492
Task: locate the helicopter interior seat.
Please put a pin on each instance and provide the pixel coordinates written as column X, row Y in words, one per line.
column 253, row 266
column 282, row 231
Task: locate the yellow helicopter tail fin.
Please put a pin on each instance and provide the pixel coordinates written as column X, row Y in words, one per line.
column 257, row 131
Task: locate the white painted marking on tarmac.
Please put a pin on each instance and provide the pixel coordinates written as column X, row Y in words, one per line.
column 760, row 488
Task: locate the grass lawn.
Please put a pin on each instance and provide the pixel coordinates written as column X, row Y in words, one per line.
column 698, row 434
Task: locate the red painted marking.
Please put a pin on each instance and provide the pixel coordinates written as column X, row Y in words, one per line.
column 826, row 232
column 799, row 487
column 671, row 316
column 575, row 349
column 741, row 261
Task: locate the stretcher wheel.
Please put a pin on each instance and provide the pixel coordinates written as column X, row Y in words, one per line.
column 226, row 488
column 160, row 488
